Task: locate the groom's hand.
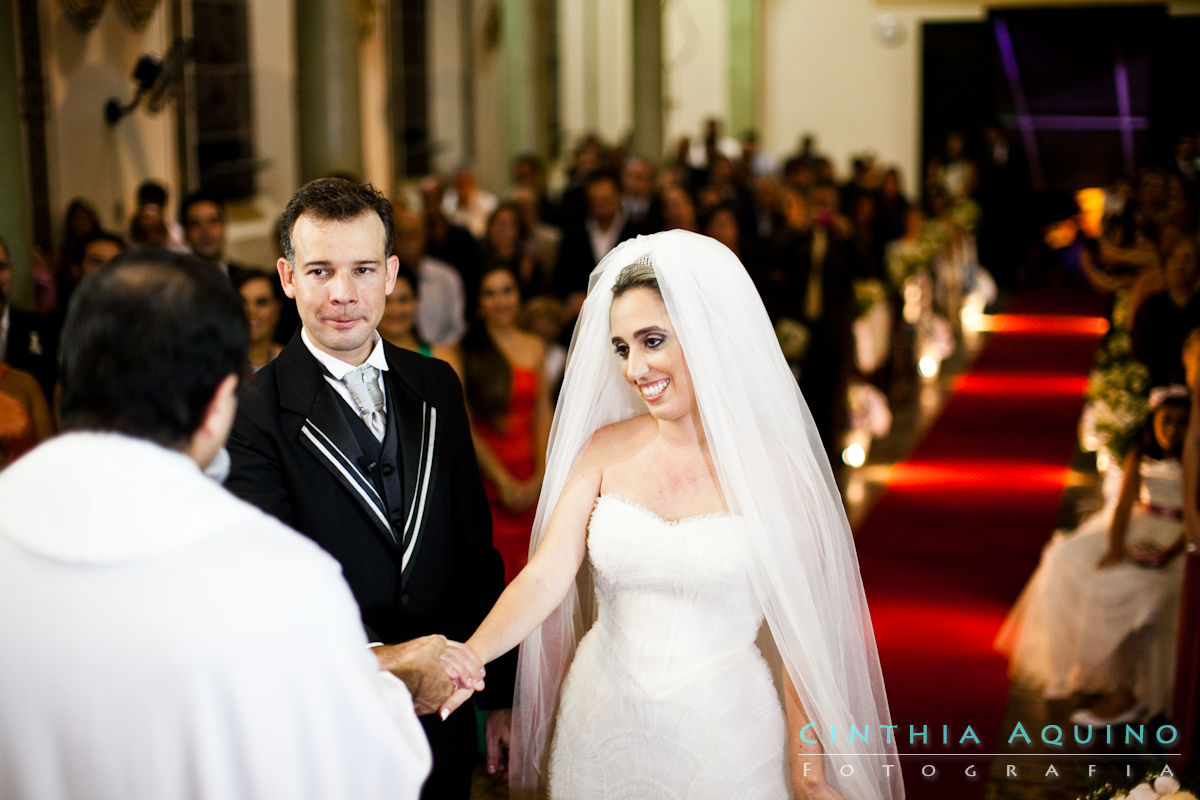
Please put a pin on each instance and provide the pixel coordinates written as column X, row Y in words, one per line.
column 498, row 733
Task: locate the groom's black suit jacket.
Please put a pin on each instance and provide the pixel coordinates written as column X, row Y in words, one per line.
column 417, row 564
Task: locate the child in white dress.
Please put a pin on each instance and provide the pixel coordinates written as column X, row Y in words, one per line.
column 1099, row 615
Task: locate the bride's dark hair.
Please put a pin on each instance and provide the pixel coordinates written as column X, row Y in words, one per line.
column 638, row 275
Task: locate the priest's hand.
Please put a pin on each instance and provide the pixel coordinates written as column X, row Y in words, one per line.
column 418, row 664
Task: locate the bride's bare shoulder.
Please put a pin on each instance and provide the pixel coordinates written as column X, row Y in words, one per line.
column 618, row 441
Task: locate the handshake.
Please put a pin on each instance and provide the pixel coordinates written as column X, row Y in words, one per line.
column 440, row 674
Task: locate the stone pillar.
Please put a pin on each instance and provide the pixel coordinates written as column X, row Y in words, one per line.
column 520, row 79
column 330, row 113
column 744, row 71
column 16, row 210
column 647, row 79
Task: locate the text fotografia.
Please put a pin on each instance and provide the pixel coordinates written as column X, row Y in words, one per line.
column 1024, row 771
column 850, row 748
column 1049, row 735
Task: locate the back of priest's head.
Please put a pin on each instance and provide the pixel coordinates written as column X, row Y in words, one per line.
column 147, row 341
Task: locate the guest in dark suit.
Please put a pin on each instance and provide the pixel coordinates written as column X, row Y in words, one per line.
column 202, row 216
column 366, row 449
column 27, row 341
column 585, row 243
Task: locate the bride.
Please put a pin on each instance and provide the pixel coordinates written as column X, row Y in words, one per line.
column 684, row 464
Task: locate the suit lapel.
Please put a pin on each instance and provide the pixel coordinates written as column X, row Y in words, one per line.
column 416, row 424
column 325, row 432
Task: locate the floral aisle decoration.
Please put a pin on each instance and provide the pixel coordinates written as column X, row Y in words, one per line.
column 1116, row 401
column 872, row 325
column 1154, row 787
column 793, row 339
column 870, row 419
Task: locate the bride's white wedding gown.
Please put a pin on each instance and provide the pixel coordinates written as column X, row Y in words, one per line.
column 668, row 696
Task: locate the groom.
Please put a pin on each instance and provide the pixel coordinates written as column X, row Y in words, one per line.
column 366, row 449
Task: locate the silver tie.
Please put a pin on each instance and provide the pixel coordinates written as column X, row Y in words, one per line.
column 363, row 384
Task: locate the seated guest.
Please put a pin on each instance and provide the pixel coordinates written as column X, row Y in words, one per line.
column 150, row 224
column 28, row 341
column 509, row 244
column 1164, row 319
column 262, row 314
column 467, row 204
column 585, row 243
column 445, row 240
column 1100, row 613
column 398, row 325
column 24, row 416
column 168, row 639
column 440, row 317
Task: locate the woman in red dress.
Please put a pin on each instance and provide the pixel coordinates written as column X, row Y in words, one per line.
column 509, row 403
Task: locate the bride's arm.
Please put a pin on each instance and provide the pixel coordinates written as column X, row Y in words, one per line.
column 540, row 587
column 807, row 756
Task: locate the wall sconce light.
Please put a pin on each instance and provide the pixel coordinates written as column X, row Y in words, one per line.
column 155, row 77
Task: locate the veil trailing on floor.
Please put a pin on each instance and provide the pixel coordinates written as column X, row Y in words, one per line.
column 772, row 471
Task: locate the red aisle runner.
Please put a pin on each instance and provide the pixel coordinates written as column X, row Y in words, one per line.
column 947, row 549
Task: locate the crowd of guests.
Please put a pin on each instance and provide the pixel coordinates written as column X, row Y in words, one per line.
column 1108, row 621
column 492, row 282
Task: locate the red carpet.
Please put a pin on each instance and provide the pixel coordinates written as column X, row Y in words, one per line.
column 947, row 549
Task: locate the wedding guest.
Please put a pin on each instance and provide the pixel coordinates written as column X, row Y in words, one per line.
column 529, row 173
column 150, row 223
column 508, row 398
column 262, row 314
column 466, row 203
column 586, row 242
column 509, row 245
column 28, row 341
column 679, row 210
column 440, row 316
column 1165, row 318
column 446, row 241
column 1187, row 659
column 398, row 325
column 1100, row 613
column 79, row 223
column 25, row 417
column 223, row 653
column 543, row 317
column 893, row 207
column 546, row 238
column 639, row 201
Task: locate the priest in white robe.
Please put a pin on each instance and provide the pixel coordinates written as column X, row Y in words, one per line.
column 161, row 638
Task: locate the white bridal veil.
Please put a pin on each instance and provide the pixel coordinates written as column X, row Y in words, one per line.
column 772, row 471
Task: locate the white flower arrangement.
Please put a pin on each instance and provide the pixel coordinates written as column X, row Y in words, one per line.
column 869, row 410
column 1154, row 787
column 793, row 338
column 1116, row 395
column 868, row 293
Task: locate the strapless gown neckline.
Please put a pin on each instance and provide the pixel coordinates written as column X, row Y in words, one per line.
column 616, row 497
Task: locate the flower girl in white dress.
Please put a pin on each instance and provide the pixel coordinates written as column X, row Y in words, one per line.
column 1099, row 615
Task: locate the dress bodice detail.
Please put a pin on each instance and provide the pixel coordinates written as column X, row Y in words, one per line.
column 655, row 578
column 668, row 696
column 1162, row 483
